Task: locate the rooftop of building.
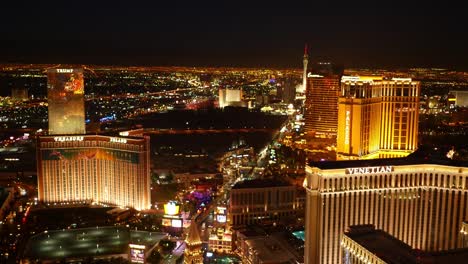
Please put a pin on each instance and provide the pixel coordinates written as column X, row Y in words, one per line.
column 394, row 251
column 268, row 250
column 87, row 242
column 252, row 232
column 259, row 183
column 281, row 235
column 80, row 215
column 418, row 157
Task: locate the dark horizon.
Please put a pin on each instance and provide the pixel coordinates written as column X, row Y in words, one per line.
column 214, row 34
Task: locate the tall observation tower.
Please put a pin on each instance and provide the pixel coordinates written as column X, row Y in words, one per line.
column 305, row 61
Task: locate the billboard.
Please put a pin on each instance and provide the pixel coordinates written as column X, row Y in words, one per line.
column 166, row 222
column 137, row 253
column 221, row 210
column 65, row 94
column 221, row 214
column 221, row 218
column 176, row 222
column 171, row 208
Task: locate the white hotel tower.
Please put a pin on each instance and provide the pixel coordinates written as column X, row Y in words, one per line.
column 420, row 202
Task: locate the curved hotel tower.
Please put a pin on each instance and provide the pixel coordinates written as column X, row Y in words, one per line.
column 421, row 203
column 101, row 169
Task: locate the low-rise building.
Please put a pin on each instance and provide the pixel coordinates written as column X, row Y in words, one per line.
column 364, row 244
column 258, row 247
column 221, row 242
column 256, row 201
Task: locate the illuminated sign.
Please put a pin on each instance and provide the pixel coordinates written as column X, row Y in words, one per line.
column 221, row 210
column 68, row 139
column 361, row 79
column 137, row 253
column 176, row 223
column 171, row 208
column 401, row 79
column 221, row 214
column 347, row 125
column 309, row 75
column 65, row 70
column 137, row 246
column 166, row 222
column 221, row 218
column 367, row 170
column 118, row 140
column 350, row 78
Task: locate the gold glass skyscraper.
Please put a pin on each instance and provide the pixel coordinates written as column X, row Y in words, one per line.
column 321, row 107
column 420, row 203
column 377, row 118
column 65, row 94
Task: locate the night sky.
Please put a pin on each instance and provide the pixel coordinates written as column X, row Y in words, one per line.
column 234, row 33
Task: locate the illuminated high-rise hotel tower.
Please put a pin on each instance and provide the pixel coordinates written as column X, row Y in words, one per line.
column 321, row 102
column 73, row 167
column 421, row 202
column 65, row 94
column 94, row 168
column 377, row 118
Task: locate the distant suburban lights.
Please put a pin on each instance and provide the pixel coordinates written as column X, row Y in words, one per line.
column 118, row 140
column 67, row 139
column 366, row 170
column 347, row 124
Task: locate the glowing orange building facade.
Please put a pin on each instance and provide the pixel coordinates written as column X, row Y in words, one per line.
column 377, row 118
column 101, row 169
column 65, row 94
column 423, row 205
